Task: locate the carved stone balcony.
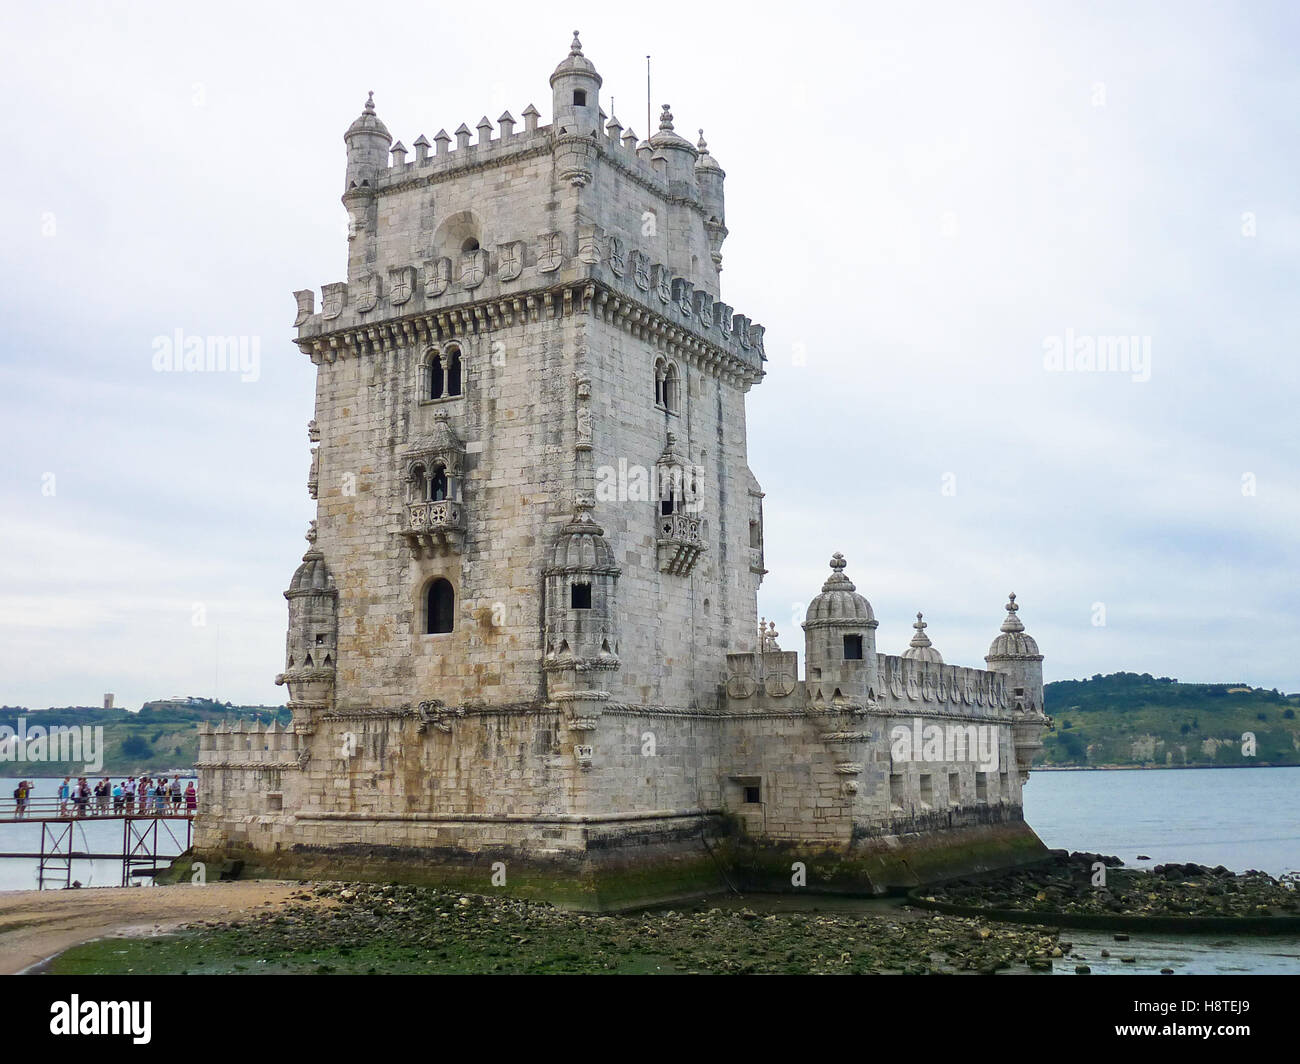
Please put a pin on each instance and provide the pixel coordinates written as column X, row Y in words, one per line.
column 434, row 527
column 680, row 544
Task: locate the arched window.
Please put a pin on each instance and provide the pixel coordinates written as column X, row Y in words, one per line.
column 659, row 382
column 419, row 484
column 670, row 389
column 433, row 378
column 470, row 245
column 453, row 371
column 438, row 485
column 439, row 608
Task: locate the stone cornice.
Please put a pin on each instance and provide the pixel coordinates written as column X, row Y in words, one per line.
column 585, row 296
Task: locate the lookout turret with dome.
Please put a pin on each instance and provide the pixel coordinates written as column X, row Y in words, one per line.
column 1015, row 653
column 840, row 642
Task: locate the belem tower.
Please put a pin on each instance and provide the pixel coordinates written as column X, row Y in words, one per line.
column 524, row 649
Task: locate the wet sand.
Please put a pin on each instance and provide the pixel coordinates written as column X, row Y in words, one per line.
column 35, row 925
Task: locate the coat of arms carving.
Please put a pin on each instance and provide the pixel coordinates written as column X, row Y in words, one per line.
column 333, row 298
column 437, row 277
column 473, row 268
column 641, row 271
column 510, row 260
column 401, row 284
column 368, row 298
column 550, row 252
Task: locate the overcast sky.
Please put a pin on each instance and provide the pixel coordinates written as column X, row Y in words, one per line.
column 925, row 202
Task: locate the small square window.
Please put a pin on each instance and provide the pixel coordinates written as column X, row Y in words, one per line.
column 580, row 596
column 853, row 648
column 579, row 98
column 320, row 639
column 753, row 795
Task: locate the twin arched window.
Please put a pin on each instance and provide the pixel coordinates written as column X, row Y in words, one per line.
column 442, row 374
column 439, row 608
column 426, row 486
column 666, row 385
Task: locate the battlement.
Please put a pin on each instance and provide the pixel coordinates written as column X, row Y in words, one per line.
column 248, row 746
column 445, row 157
column 516, row 279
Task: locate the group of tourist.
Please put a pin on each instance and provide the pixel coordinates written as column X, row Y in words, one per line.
column 148, row 796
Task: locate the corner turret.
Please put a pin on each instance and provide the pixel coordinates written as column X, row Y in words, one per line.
column 368, row 141
column 1015, row 653
column 840, row 643
column 709, row 178
column 575, row 107
column 311, row 651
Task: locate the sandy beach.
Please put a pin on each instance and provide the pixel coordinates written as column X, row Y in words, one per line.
column 35, row 925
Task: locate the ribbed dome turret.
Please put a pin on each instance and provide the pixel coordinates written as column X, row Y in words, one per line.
column 839, row 603
column 312, row 575
column 1013, row 642
column 582, row 546
column 368, row 122
column 921, row 649
column 666, row 138
column 575, row 63
column 705, row 161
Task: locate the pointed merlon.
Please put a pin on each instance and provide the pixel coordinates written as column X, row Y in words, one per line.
column 421, row 148
column 531, row 115
column 484, row 128
column 507, row 124
column 399, row 154
column 463, row 133
column 614, row 129
column 442, row 139
column 629, row 139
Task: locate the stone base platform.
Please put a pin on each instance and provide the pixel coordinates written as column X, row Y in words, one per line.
column 630, row 864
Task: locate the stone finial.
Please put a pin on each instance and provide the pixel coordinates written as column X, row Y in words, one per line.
column 310, row 537
column 442, row 139
column 576, row 47
column 666, row 120
column 421, row 148
column 920, row 639
column 531, row 115
column 1012, row 623
column 838, row 563
column 370, row 103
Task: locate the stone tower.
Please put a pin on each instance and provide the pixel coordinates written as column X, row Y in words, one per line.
column 525, row 635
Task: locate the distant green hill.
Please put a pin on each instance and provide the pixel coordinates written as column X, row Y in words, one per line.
column 1131, row 719
column 162, row 735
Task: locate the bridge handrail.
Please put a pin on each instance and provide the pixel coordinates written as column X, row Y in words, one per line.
column 44, row 807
